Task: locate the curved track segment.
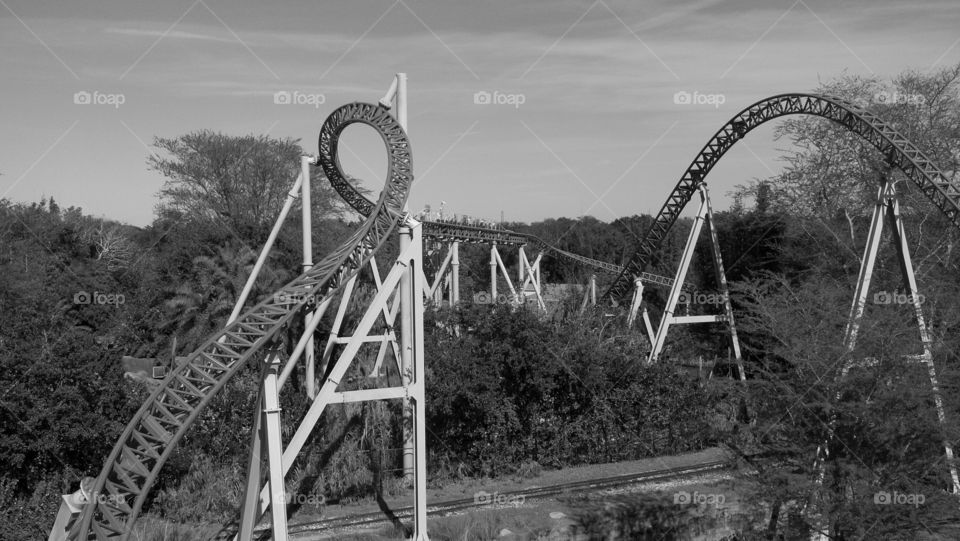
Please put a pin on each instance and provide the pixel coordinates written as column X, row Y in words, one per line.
column 466, row 233
column 168, row 413
column 897, row 149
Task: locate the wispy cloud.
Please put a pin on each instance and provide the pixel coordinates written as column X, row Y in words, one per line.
column 172, row 35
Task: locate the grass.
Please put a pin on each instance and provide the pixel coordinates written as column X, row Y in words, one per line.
column 523, row 523
column 161, row 530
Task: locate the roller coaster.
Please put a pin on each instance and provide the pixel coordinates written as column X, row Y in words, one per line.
column 108, row 506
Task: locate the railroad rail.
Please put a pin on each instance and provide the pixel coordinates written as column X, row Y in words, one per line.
column 466, row 504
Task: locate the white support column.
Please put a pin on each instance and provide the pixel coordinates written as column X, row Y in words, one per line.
column 635, row 303
column 586, row 299
column 272, row 435
column 593, row 289
column 647, row 325
column 435, row 290
column 521, row 259
column 493, row 273
column 311, row 368
column 455, row 273
column 407, row 283
column 506, row 276
column 417, row 393
column 249, row 511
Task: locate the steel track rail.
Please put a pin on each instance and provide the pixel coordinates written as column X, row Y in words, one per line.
column 448, row 231
column 148, row 440
column 897, row 149
column 466, row 504
column 465, row 233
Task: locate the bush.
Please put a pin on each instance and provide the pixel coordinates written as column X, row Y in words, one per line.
column 507, row 387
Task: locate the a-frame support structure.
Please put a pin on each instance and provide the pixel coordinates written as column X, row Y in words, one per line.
column 447, row 278
column 258, row 500
column 704, row 215
column 529, row 280
column 887, row 209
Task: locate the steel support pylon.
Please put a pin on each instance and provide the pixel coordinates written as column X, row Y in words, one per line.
column 637, row 305
column 411, row 389
column 497, row 268
column 704, row 215
column 887, row 208
column 446, row 279
column 529, row 279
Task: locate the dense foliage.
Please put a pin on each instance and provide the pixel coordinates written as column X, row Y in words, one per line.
column 513, row 388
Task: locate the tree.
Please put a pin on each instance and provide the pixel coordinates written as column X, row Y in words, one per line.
column 231, row 183
column 201, row 305
column 108, row 243
column 886, row 437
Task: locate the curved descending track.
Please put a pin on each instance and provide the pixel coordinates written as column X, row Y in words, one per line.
column 171, row 409
column 896, row 149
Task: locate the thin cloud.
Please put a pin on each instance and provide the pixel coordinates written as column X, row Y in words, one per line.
column 172, row 35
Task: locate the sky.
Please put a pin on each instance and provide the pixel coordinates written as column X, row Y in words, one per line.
column 582, row 121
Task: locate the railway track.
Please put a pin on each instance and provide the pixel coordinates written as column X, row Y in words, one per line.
column 453, row 507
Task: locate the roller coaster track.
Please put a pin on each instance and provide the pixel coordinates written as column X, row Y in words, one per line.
column 149, row 439
column 897, row 150
column 465, row 233
column 452, row 231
